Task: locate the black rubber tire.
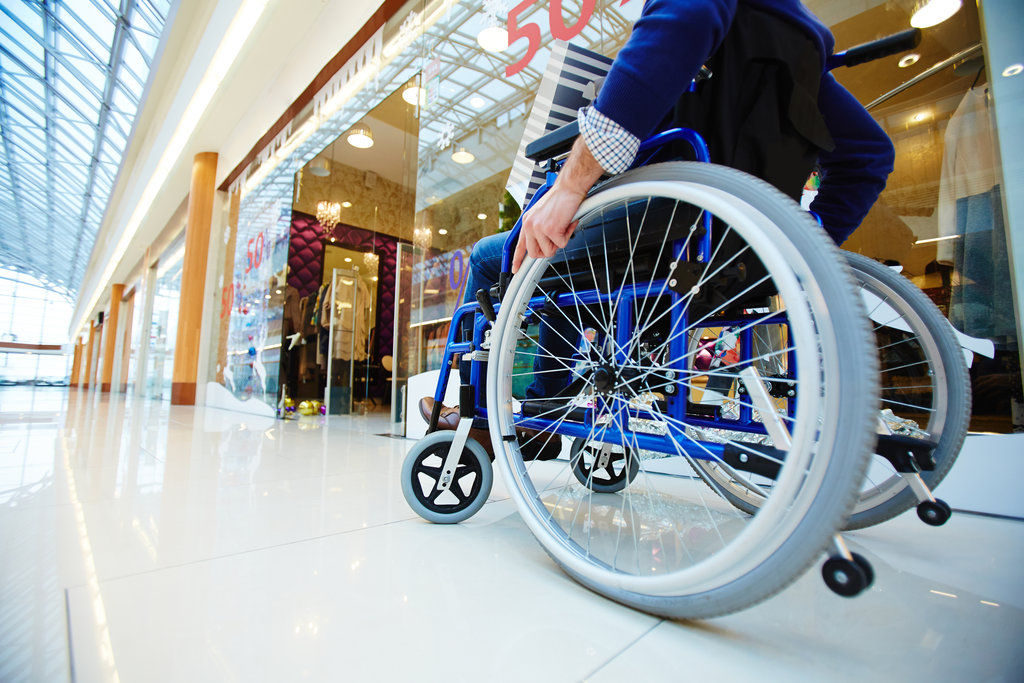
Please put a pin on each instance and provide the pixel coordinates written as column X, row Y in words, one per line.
column 613, row 482
column 934, row 513
column 865, row 566
column 844, row 577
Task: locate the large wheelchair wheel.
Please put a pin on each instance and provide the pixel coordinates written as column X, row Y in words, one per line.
column 925, row 393
column 604, row 327
column 925, row 387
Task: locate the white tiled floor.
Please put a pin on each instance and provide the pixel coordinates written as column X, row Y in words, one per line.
column 142, row 542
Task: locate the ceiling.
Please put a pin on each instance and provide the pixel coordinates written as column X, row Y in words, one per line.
column 72, row 75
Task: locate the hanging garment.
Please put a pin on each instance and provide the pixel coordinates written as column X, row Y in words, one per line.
column 292, row 317
column 970, row 207
column 968, row 165
column 352, row 319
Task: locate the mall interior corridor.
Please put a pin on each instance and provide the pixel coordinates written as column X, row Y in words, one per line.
column 145, row 542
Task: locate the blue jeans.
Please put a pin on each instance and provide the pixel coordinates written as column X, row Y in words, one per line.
column 558, row 336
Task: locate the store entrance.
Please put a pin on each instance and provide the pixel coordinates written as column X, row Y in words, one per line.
column 352, row 207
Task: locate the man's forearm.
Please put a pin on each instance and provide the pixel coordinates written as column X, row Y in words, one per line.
column 580, row 171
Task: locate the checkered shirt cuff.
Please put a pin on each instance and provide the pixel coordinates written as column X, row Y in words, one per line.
column 613, row 146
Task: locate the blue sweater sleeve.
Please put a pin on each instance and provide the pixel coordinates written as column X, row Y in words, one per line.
column 669, row 43
column 853, row 174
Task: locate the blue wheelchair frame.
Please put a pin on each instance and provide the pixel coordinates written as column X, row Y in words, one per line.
column 677, row 416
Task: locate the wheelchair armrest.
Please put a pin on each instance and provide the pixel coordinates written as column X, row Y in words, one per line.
column 550, row 145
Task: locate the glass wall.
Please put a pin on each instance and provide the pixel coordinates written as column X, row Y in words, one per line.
column 939, row 219
column 352, row 211
column 163, row 322
column 941, row 216
column 33, row 313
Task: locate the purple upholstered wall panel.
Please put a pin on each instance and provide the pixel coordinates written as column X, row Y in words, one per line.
column 305, row 259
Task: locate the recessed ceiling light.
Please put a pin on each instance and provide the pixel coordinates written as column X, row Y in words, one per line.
column 920, row 116
column 1013, row 70
column 493, row 39
column 346, row 204
column 934, row 12
column 461, row 156
column 481, row 215
column 909, row 60
column 442, row 231
column 348, row 260
column 477, row 102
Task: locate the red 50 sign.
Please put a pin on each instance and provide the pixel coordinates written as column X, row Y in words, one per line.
column 556, row 23
column 254, row 253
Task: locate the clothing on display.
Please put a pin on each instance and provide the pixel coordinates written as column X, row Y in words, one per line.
column 352, row 322
column 292, row 311
column 970, row 211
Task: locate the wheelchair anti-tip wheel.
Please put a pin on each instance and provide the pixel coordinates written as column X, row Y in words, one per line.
column 470, row 485
column 611, row 318
column 925, row 394
column 603, row 467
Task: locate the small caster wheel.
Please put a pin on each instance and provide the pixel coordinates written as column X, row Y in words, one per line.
column 844, row 577
column 620, row 470
column 421, row 474
column 865, row 566
column 934, row 513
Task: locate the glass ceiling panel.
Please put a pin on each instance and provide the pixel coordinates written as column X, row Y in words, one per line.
column 56, row 78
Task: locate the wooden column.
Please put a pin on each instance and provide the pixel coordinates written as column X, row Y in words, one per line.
column 76, row 364
column 88, row 354
column 126, row 344
column 193, row 278
column 110, row 335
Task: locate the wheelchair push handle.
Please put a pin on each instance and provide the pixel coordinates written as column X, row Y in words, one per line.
column 876, row 49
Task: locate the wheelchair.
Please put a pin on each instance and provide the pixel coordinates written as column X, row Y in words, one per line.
column 681, row 487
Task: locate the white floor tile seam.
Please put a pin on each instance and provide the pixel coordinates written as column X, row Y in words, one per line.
column 491, row 505
column 298, row 542
column 624, row 650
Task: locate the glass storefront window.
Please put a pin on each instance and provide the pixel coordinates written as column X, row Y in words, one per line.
column 163, row 323
column 939, row 218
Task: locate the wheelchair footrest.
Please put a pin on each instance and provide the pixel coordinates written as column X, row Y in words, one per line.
column 554, row 410
column 764, row 460
column 906, row 453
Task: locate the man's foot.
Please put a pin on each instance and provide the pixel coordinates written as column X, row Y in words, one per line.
column 536, row 445
column 533, row 445
column 449, row 419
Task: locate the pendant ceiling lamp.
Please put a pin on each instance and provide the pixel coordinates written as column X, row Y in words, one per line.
column 415, row 95
column 461, row 156
column 328, row 214
column 320, row 167
column 361, row 137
